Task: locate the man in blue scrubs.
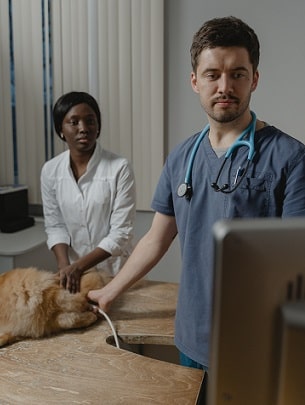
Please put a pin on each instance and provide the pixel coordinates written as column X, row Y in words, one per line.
column 225, row 57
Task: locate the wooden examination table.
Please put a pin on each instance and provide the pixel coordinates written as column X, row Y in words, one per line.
column 80, row 367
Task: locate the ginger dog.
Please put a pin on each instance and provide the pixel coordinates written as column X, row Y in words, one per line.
column 33, row 305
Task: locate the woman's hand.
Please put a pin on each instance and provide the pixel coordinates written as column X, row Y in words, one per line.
column 70, row 274
column 70, row 277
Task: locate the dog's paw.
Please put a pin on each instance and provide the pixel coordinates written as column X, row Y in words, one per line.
column 7, row 338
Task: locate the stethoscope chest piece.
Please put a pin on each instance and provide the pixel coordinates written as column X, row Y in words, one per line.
column 185, row 190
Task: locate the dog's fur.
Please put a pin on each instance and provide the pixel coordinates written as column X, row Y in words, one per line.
column 33, row 305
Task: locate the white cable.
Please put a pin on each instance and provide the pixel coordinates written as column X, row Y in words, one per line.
column 110, row 324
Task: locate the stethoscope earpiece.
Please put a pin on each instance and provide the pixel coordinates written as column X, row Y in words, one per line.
column 216, row 187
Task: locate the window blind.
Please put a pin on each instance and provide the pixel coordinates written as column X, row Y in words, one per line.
column 111, row 48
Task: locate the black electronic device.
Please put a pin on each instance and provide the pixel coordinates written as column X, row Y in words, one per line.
column 14, row 209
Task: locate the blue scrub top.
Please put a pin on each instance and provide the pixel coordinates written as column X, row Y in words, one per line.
column 274, row 186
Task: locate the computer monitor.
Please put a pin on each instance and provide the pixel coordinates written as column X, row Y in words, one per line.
column 259, row 273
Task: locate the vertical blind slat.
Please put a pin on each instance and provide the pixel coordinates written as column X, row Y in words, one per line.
column 6, row 132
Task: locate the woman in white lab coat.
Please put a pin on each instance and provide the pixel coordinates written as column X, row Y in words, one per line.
column 88, row 195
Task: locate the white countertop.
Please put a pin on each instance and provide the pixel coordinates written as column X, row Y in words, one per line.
column 17, row 243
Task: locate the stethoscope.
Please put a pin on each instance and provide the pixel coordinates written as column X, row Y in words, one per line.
column 186, row 190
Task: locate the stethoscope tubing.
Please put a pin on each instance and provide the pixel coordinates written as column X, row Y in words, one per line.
column 185, row 189
column 188, row 174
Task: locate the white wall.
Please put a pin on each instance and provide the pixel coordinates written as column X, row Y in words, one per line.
column 279, row 98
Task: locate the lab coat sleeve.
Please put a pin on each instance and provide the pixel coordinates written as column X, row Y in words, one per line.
column 123, row 213
column 54, row 224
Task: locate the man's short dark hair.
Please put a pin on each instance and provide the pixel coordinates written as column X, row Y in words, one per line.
column 225, row 32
